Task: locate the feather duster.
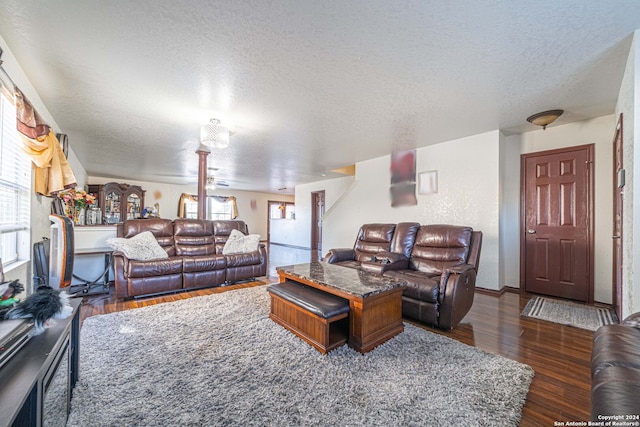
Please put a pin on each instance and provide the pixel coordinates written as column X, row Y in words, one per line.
column 44, row 304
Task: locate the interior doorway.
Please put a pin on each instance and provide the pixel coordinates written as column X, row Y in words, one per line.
column 317, row 211
column 618, row 186
column 557, row 222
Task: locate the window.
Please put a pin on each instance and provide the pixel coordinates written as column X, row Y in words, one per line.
column 281, row 210
column 218, row 207
column 190, row 209
column 15, row 187
column 219, row 210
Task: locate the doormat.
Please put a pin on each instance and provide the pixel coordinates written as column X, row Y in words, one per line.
column 569, row 313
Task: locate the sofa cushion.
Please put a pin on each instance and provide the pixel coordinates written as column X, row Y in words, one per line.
column 142, row 247
column 615, row 345
column 238, row 243
column 243, row 259
column 404, row 238
column 193, row 264
column 160, row 267
column 420, row 286
column 193, row 237
column 615, row 391
column 438, row 247
column 373, row 238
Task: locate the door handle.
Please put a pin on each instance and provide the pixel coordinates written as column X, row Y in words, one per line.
column 531, row 231
column 615, row 237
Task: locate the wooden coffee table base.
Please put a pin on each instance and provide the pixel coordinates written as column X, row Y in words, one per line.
column 374, row 317
column 374, row 320
column 323, row 334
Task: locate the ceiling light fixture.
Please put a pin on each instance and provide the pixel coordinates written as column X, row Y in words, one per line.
column 211, row 183
column 214, row 135
column 545, row 118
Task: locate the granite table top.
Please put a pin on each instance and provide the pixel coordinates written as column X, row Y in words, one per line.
column 348, row 280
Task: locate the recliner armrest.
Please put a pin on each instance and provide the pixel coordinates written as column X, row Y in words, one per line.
column 385, row 261
column 339, row 254
column 632, row 320
column 389, row 258
column 459, row 269
column 457, row 289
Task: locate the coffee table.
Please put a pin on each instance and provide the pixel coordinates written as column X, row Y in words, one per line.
column 375, row 303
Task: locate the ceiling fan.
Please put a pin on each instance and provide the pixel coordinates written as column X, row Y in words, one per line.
column 213, row 183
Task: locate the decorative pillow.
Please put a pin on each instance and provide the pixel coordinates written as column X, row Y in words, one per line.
column 141, row 247
column 238, row 243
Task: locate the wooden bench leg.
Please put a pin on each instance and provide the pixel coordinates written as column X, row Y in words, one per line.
column 323, row 334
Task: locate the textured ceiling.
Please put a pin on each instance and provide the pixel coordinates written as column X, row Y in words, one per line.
column 307, row 86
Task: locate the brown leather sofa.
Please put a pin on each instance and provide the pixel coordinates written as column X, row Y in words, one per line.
column 437, row 263
column 195, row 257
column 615, row 371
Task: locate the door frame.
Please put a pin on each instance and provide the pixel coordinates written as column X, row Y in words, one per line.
column 616, row 297
column 316, row 239
column 590, row 209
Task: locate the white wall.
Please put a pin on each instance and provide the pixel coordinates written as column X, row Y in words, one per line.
column 468, row 194
column 283, row 231
column 252, row 206
column 334, row 189
column 598, row 131
column 627, row 104
column 510, row 210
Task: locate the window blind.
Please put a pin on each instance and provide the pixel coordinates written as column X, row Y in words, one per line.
column 15, row 183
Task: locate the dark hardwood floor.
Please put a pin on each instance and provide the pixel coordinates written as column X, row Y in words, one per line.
column 560, row 355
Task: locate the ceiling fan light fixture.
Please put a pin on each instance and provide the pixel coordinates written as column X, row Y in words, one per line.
column 545, row 118
column 211, row 183
column 214, row 135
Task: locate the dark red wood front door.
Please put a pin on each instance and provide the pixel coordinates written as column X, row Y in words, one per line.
column 557, row 222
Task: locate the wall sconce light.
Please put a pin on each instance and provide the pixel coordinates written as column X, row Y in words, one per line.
column 214, row 135
column 545, row 118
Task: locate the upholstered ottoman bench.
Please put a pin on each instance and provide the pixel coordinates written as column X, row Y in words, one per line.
column 319, row 318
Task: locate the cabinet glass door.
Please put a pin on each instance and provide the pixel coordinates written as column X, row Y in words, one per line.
column 133, row 206
column 112, row 208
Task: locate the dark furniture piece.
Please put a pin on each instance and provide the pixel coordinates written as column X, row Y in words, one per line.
column 36, row 384
column 317, row 317
column 195, row 258
column 615, row 371
column 437, row 263
column 118, row 202
column 375, row 303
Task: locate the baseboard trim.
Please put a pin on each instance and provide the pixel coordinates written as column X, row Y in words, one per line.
column 290, row 246
column 493, row 292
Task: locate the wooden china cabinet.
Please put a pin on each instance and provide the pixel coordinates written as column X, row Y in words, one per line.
column 119, row 202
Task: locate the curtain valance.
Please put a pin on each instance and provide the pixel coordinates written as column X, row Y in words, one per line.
column 53, row 173
column 184, row 197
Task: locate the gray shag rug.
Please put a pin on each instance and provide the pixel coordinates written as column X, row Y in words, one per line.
column 569, row 313
column 219, row 360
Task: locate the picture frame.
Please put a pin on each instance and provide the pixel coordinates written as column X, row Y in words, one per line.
column 428, row 182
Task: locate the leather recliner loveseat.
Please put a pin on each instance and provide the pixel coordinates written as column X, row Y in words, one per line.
column 437, row 263
column 195, row 259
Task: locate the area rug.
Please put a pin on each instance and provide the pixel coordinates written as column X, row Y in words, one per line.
column 569, row 313
column 219, row 360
